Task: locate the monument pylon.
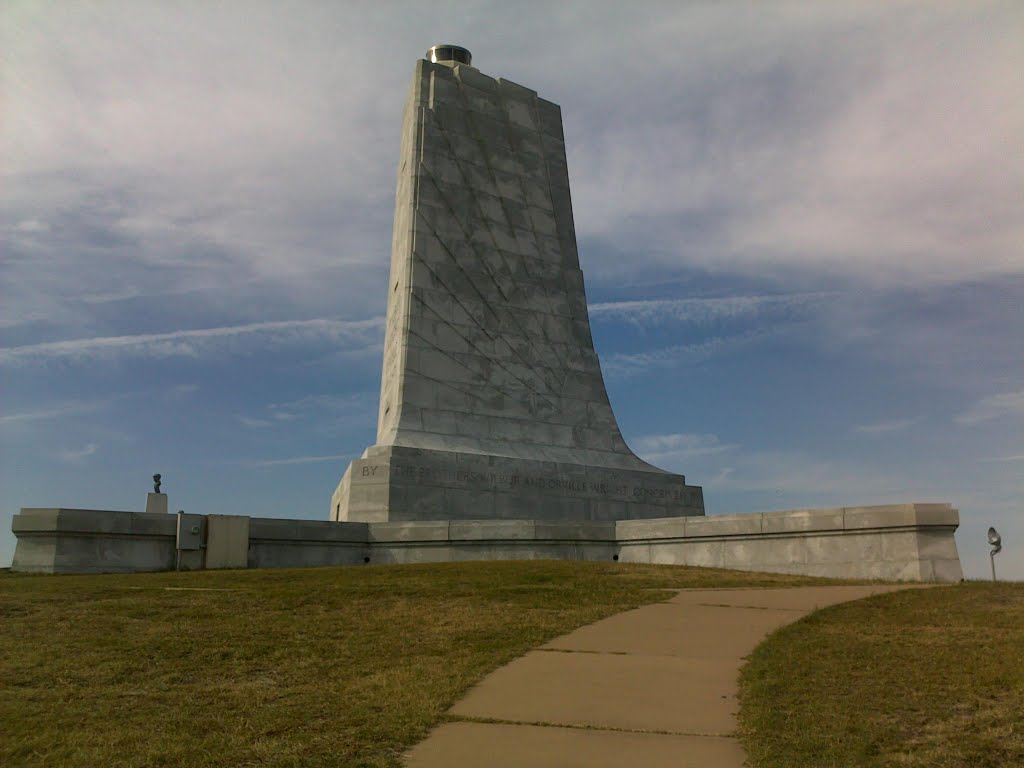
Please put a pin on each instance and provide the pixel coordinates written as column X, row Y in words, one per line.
column 492, row 403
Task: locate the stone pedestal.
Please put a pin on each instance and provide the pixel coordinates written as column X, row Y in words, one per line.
column 156, row 503
column 395, row 484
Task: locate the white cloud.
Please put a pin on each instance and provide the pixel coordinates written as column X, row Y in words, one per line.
column 295, row 460
column 634, row 364
column 701, row 311
column 678, row 447
column 248, row 421
column 318, row 404
column 1007, row 459
column 30, row 225
column 59, row 411
column 728, row 467
column 883, row 427
column 994, row 407
column 191, row 343
column 325, row 414
column 830, row 480
column 79, row 455
column 181, row 390
column 841, row 139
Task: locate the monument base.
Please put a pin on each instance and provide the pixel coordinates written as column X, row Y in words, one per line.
column 396, row 483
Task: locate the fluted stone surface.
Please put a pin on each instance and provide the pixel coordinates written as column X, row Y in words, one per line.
column 492, row 399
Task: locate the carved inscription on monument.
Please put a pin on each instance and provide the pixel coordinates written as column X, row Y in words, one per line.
column 546, row 484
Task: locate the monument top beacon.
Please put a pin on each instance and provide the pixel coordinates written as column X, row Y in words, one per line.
column 438, row 54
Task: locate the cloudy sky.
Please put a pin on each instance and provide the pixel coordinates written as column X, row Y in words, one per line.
column 801, row 226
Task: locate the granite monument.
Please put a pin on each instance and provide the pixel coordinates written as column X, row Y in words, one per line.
column 492, row 401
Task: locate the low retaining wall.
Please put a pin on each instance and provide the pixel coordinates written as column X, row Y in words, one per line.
column 92, row 541
column 905, row 542
column 901, row 542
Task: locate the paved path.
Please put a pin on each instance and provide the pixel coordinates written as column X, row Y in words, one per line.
column 655, row 686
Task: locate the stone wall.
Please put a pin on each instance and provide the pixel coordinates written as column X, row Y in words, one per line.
column 92, row 541
column 904, row 542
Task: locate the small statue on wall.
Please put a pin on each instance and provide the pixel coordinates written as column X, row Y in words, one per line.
column 156, row 483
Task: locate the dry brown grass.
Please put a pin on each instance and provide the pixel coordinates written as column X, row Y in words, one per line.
column 920, row 678
column 326, row 667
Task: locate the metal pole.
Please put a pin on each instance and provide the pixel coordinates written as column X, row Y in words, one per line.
column 992, row 558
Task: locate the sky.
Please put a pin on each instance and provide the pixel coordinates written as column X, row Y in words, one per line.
column 801, row 226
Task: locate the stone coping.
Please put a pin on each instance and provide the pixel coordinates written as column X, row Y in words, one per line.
column 97, row 522
column 794, row 521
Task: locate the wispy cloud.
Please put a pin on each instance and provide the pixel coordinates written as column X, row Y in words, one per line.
column 729, row 467
column 356, row 401
column 655, row 448
column 248, row 421
column 700, row 311
column 633, row 364
column 882, row 427
column 53, row 412
column 994, row 407
column 295, row 460
column 192, row 343
column 841, row 149
column 78, row 456
column 1006, row 459
column 328, row 412
column 181, row 390
column 832, row 480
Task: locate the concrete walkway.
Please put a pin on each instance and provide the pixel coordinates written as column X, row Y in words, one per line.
column 655, row 686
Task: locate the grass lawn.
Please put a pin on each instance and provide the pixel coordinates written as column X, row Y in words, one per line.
column 323, row 667
column 931, row 677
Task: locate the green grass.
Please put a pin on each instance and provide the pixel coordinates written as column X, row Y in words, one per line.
column 931, row 677
column 325, row 667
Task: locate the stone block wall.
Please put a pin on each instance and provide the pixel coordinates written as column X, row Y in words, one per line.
column 413, row 484
column 897, row 542
column 904, row 542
